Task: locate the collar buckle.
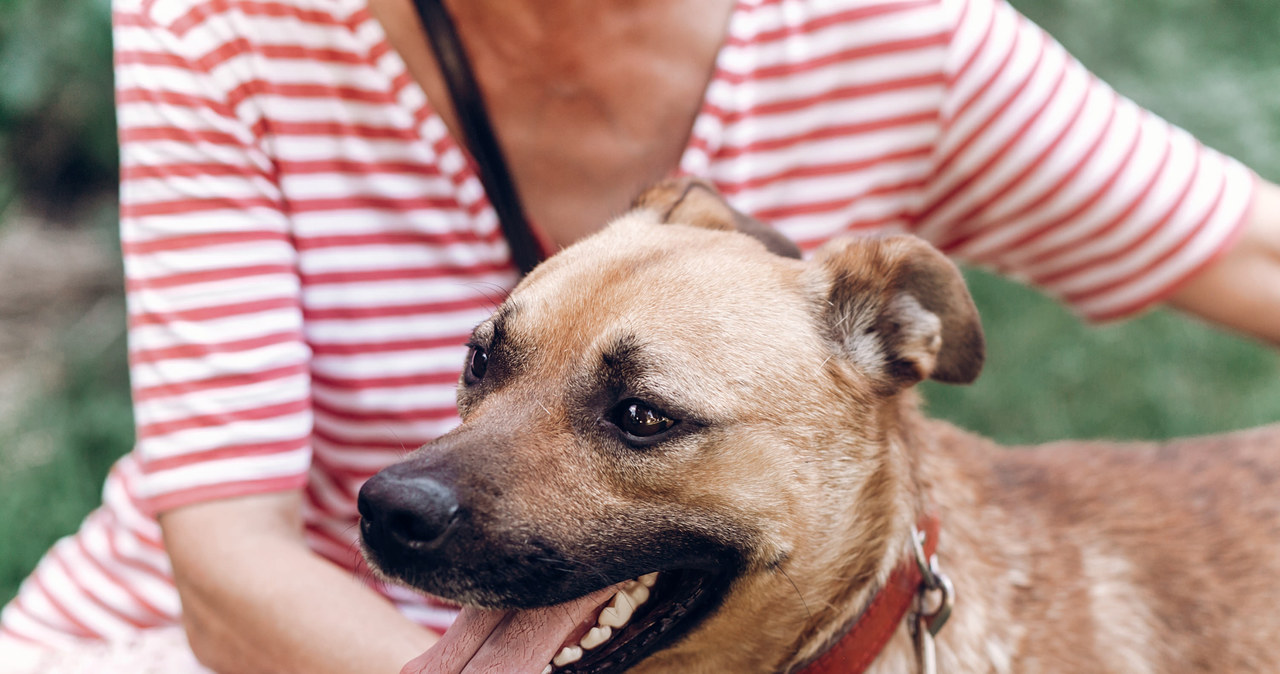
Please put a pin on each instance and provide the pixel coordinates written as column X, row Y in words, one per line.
column 933, row 604
column 937, row 594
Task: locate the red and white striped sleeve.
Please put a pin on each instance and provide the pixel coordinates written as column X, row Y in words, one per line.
column 218, row 362
column 1043, row 172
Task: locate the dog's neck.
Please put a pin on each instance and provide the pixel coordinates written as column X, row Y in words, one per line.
column 921, row 465
column 931, row 468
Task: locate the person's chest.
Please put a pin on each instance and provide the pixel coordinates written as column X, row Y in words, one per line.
column 584, row 125
column 806, row 123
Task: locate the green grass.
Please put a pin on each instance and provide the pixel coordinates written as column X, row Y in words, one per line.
column 1049, row 376
column 1209, row 66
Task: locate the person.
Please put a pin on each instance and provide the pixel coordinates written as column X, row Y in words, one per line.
column 307, row 247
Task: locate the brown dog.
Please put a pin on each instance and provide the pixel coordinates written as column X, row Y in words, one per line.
column 678, row 398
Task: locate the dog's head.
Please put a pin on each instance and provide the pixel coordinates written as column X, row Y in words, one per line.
column 673, row 395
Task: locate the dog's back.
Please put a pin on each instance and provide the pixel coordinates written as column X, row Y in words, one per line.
column 1128, row 557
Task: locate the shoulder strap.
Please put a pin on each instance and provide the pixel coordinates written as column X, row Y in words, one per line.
column 478, row 133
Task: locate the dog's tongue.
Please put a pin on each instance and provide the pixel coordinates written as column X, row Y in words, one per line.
column 508, row 642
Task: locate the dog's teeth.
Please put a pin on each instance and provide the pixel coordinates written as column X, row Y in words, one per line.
column 619, row 612
column 612, row 617
column 639, row 594
column 567, row 655
column 649, row 579
column 596, row 636
column 546, row 670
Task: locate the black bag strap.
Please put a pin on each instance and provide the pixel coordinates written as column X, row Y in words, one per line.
column 468, row 103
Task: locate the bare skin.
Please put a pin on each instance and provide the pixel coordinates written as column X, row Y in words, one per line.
column 256, row 599
column 623, row 79
column 592, row 100
column 1241, row 290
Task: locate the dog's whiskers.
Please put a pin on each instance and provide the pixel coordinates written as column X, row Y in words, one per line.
column 360, row 569
column 495, row 299
column 573, row 565
column 807, row 612
column 396, row 437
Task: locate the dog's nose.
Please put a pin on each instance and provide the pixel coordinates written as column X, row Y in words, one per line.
column 412, row 509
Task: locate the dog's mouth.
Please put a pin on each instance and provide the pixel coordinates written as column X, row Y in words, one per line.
column 605, row 631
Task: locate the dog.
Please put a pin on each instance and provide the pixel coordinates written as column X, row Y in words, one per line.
column 685, row 449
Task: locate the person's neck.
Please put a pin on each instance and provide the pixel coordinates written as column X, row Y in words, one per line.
column 518, row 30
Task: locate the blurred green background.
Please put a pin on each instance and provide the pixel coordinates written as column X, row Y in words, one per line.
column 1212, row 66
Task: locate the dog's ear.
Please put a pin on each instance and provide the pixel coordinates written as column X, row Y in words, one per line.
column 689, row 201
column 900, row 308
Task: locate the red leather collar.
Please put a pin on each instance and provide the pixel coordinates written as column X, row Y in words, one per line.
column 855, row 652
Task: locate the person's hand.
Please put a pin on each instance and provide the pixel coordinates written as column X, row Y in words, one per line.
column 256, row 599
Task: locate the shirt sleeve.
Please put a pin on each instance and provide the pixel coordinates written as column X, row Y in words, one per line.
column 1044, row 173
column 218, row 364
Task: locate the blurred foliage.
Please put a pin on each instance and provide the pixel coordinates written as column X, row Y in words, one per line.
column 57, row 119
column 58, row 159
column 75, row 435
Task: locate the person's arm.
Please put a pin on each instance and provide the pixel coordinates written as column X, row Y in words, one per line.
column 219, row 365
column 256, row 599
column 1241, row 289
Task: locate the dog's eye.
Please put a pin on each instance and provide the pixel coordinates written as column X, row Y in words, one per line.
column 638, row 419
column 477, row 364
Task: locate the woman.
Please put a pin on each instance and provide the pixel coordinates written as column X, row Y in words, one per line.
column 307, row 247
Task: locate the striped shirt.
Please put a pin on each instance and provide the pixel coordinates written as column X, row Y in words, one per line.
column 307, row 248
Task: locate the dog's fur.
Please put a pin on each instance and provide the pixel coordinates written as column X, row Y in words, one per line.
column 801, row 461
